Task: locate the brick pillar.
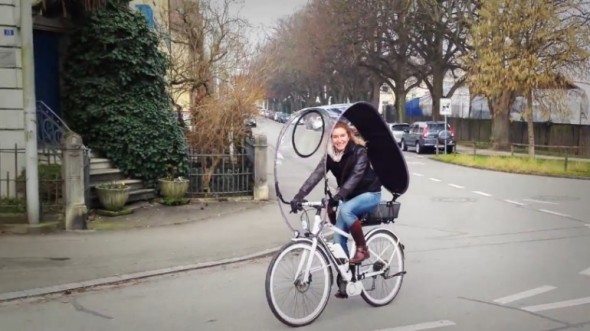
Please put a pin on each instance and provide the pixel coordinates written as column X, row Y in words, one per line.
column 73, row 174
column 260, row 181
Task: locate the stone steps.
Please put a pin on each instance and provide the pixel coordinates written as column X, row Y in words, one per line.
column 102, row 171
column 103, row 175
column 100, row 163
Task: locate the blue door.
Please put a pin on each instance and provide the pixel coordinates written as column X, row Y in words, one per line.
column 46, row 45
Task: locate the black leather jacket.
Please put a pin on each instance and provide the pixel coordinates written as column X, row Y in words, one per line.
column 353, row 173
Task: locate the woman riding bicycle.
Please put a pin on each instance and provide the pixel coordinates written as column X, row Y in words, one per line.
column 359, row 187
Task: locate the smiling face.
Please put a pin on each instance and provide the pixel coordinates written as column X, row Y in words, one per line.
column 340, row 138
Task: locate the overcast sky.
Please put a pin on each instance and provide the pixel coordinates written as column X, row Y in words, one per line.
column 264, row 14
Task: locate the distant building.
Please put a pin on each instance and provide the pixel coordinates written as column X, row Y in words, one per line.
column 573, row 110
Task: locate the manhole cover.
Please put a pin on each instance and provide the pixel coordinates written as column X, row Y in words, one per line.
column 555, row 198
column 453, row 199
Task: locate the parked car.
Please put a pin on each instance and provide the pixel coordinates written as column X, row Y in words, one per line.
column 316, row 123
column 428, row 135
column 270, row 114
column 282, row 117
column 297, row 118
column 250, row 122
column 397, row 130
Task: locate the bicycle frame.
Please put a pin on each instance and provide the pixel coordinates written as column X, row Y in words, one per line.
column 318, row 239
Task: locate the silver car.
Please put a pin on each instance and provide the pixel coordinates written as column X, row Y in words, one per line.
column 397, row 129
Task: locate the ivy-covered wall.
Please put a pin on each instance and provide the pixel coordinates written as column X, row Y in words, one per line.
column 115, row 94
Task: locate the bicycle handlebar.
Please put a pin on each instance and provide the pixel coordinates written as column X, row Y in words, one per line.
column 313, row 204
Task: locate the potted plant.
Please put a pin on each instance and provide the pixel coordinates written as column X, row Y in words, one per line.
column 113, row 196
column 173, row 188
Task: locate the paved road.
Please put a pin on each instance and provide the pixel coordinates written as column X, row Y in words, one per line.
column 484, row 251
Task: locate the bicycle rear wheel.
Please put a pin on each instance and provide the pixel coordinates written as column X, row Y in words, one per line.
column 292, row 299
column 386, row 253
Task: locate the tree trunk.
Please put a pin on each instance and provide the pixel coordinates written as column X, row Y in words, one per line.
column 400, row 101
column 500, row 109
column 209, row 171
column 375, row 94
column 530, row 124
column 437, row 92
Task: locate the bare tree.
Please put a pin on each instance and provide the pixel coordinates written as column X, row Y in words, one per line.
column 207, row 44
column 211, row 74
column 310, row 61
column 380, row 31
column 440, row 38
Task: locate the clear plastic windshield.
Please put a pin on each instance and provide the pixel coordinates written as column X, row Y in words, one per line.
column 301, row 146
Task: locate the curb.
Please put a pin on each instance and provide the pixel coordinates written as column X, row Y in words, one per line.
column 119, row 279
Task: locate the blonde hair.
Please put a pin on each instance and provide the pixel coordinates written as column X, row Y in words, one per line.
column 356, row 139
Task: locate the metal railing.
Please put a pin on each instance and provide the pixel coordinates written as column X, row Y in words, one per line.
column 214, row 175
column 13, row 180
column 50, row 127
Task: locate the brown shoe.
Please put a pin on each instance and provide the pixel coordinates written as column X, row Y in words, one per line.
column 361, row 254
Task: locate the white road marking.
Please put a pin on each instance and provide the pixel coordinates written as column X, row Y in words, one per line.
column 585, row 272
column 420, row 156
column 556, row 305
column 515, row 202
column 435, row 179
column 416, row 162
column 417, row 174
column 554, row 213
column 422, row 326
column 456, row 186
column 525, row 294
column 482, row 193
column 539, row 201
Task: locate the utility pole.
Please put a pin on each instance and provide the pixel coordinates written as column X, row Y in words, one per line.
column 28, row 72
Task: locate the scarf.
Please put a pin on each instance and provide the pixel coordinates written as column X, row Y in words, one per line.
column 336, row 156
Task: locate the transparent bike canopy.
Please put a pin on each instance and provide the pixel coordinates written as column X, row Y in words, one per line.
column 301, row 147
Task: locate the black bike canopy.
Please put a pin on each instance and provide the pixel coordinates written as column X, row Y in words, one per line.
column 386, row 158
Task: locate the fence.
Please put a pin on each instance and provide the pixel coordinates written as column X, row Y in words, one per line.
column 574, row 137
column 227, row 174
column 13, row 182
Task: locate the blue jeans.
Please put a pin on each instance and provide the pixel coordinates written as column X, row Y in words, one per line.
column 349, row 211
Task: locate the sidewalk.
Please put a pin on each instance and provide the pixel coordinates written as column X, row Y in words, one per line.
column 161, row 240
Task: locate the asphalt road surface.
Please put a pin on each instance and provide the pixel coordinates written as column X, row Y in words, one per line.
column 484, row 251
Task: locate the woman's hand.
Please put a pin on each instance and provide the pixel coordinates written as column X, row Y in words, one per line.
column 296, row 204
column 335, row 200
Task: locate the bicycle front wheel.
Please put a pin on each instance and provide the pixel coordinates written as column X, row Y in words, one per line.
column 386, row 255
column 294, row 300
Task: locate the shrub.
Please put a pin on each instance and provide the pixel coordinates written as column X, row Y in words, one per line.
column 12, row 205
column 115, row 94
column 50, row 183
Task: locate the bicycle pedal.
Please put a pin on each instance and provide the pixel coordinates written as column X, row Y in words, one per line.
column 341, row 295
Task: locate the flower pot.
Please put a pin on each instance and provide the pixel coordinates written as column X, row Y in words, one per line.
column 113, row 199
column 173, row 189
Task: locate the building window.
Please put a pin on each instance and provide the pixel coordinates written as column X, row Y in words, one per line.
column 148, row 13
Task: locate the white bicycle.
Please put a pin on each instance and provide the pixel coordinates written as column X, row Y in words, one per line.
column 301, row 274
